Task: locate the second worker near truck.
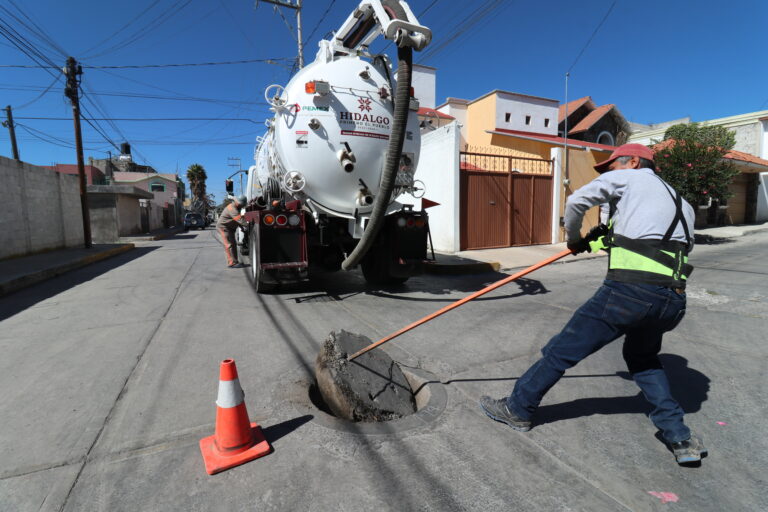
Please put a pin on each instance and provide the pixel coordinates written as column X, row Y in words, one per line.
column 228, row 222
column 649, row 236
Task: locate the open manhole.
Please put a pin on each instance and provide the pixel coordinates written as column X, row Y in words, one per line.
column 371, row 394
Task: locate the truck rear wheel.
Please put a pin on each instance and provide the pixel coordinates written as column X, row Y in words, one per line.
column 253, row 270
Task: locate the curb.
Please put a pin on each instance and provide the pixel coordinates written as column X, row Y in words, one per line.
column 48, row 273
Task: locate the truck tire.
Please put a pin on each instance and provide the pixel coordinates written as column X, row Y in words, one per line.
column 253, row 270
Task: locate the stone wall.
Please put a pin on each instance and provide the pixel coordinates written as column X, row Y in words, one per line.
column 40, row 209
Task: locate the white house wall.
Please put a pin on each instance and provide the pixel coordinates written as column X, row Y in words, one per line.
column 458, row 112
column 518, row 108
column 424, row 81
column 439, row 170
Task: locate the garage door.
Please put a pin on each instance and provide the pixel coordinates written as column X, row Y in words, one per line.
column 737, row 204
column 503, row 209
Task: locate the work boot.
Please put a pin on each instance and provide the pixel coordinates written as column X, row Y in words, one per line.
column 690, row 450
column 498, row 410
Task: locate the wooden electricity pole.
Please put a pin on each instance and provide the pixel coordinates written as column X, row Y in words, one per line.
column 11, row 131
column 72, row 91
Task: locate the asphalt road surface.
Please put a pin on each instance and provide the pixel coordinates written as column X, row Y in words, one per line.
column 109, row 378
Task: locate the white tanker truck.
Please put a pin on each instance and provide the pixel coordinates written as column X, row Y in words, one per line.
column 341, row 148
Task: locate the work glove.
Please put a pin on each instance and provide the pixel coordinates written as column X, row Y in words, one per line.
column 578, row 246
column 593, row 242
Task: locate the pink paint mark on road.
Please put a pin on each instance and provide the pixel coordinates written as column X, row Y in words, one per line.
column 721, row 423
column 665, row 497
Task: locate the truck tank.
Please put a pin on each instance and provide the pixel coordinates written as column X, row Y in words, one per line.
column 327, row 142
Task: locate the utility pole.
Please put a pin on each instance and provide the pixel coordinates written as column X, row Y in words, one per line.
column 11, row 131
column 297, row 8
column 73, row 71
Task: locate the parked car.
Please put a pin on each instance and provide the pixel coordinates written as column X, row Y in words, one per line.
column 193, row 221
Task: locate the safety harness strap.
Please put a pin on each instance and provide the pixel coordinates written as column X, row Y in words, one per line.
column 659, row 260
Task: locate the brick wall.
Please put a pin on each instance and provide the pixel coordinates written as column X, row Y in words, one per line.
column 40, row 209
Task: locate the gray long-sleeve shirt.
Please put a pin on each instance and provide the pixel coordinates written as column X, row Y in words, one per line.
column 643, row 208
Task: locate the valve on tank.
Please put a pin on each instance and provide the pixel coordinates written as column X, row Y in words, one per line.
column 347, row 158
column 364, row 197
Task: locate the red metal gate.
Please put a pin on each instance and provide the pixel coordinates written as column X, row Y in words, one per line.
column 502, row 205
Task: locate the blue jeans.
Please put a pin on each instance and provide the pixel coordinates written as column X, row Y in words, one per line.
column 640, row 312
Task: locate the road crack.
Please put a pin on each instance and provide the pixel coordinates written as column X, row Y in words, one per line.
column 87, row 457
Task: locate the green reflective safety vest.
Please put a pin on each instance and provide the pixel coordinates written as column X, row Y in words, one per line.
column 663, row 262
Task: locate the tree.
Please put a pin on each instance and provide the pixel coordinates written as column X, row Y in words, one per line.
column 691, row 159
column 196, row 177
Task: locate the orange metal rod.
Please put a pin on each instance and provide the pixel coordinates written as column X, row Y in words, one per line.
column 459, row 302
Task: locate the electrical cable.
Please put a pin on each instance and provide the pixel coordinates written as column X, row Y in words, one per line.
column 594, row 33
column 34, row 29
column 468, row 24
column 46, row 91
column 146, row 119
column 124, row 94
column 27, row 48
column 290, row 28
column 56, row 141
column 147, row 66
column 320, row 21
column 149, row 27
column 116, row 32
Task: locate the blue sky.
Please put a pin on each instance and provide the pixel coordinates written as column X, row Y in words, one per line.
column 656, row 60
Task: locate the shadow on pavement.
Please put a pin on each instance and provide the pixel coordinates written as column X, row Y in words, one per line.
column 689, row 387
column 275, row 432
column 20, row 300
column 321, row 290
column 710, row 240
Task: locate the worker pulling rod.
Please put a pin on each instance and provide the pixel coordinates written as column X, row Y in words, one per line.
column 432, row 316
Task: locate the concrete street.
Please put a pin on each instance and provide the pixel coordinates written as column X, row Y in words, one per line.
column 109, row 376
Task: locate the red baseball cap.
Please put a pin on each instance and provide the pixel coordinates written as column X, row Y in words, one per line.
column 626, row 150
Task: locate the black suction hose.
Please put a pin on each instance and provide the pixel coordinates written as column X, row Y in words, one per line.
column 394, row 150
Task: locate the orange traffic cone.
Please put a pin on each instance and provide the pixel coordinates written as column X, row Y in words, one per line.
column 236, row 440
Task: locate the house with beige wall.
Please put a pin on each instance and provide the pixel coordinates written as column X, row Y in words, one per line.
column 516, row 170
column 749, row 202
column 164, row 210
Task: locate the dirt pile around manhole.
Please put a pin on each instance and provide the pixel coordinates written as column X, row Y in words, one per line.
column 370, row 388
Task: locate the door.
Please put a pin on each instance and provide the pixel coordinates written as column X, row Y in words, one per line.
column 485, row 207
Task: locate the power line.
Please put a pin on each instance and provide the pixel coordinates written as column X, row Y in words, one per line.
column 320, row 21
column 464, row 27
column 126, row 94
column 45, row 91
column 27, row 48
column 145, row 66
column 118, row 31
column 594, row 33
column 145, row 119
column 146, row 29
column 34, row 29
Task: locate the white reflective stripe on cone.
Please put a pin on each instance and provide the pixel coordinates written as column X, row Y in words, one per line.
column 230, row 394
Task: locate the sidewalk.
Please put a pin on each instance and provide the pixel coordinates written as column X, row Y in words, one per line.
column 158, row 234
column 17, row 273
column 490, row 260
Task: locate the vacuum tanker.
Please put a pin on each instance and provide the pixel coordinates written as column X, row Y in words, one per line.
column 340, row 150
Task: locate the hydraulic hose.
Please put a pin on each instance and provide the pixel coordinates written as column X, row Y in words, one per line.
column 394, row 150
